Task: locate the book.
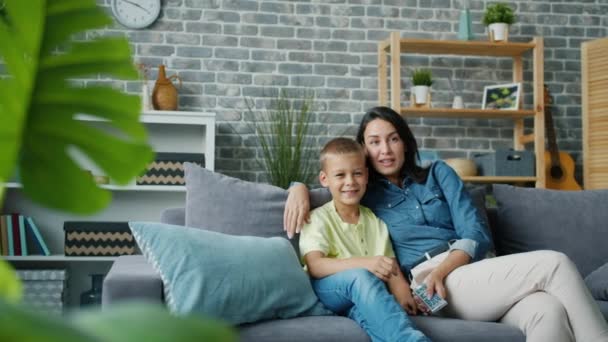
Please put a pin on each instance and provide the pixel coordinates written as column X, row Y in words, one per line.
column 9, row 234
column 37, row 237
column 3, row 235
column 22, row 236
column 16, row 234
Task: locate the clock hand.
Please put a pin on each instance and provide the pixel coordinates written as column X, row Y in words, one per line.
column 136, row 5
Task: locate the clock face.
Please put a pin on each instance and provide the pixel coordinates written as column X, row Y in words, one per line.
column 136, row 13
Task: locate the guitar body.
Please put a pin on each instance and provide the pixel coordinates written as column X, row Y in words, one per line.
column 561, row 176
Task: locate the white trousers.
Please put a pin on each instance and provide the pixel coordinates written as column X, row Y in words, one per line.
column 540, row 292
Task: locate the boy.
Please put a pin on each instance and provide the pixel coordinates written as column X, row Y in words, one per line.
column 347, row 251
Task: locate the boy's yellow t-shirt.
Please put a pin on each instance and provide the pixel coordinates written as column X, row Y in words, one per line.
column 337, row 239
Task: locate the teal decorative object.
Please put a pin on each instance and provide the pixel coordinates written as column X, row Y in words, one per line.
column 464, row 27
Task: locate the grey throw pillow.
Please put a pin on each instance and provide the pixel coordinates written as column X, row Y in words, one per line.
column 572, row 222
column 597, row 282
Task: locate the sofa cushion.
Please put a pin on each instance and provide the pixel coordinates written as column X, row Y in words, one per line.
column 597, row 282
column 232, row 206
column 238, row 279
column 572, row 222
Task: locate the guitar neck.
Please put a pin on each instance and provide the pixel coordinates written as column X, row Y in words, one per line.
column 550, row 130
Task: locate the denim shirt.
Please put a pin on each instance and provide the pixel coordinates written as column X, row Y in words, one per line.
column 423, row 217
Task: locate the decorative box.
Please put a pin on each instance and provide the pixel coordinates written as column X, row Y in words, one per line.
column 44, row 289
column 505, row 162
column 86, row 238
column 168, row 168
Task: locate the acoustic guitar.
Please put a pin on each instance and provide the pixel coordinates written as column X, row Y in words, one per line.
column 559, row 166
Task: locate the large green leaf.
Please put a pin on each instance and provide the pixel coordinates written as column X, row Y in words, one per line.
column 150, row 323
column 10, row 286
column 39, row 105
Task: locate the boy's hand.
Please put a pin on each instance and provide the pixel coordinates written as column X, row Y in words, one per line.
column 383, row 267
column 407, row 302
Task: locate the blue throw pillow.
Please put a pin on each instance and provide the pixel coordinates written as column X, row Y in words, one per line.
column 239, row 279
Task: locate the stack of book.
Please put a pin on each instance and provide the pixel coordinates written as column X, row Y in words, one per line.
column 15, row 232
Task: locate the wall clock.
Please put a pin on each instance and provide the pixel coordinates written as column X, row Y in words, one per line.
column 136, row 14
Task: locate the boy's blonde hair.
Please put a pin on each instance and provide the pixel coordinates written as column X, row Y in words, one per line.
column 339, row 146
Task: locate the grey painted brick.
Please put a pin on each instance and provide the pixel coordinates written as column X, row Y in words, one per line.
column 441, row 143
column 339, row 22
column 341, row 58
column 196, row 76
column 331, row 45
column 243, row 30
column 183, row 14
column 567, row 54
column 568, row 31
column 222, row 89
column 377, row 35
column 237, row 103
column 448, row 131
column 260, row 92
column 341, row 130
column 261, row 43
column 366, row 95
column 155, row 50
column 280, row 32
column 306, row 57
column 307, row 81
column 348, row 11
column 221, row 16
column 585, row 20
column 219, row 40
column 184, row 39
column 199, row 52
column 257, row 67
column 397, row 3
column 371, row 47
column 383, row 11
column 567, row 8
column 365, row 23
column 235, row 78
column 240, row 5
column 363, row 71
column 209, row 4
column 332, row 94
column 417, row 13
column 313, row 33
column 329, row 69
column 226, row 164
column 220, row 65
column 196, row 101
column 435, row 26
column 334, row 118
column 553, row 42
column 236, row 153
column 269, row 55
column 259, row 18
column 434, row 3
column 232, row 53
column 348, row 34
column 296, row 20
column 175, row 26
column 203, row 27
column 182, row 63
column 405, row 25
column 291, row 44
column 345, row 106
column 274, row 7
column 145, row 37
column 473, row 144
column 550, row 19
column 270, row 80
column 343, row 82
column 191, row 89
column 533, row 7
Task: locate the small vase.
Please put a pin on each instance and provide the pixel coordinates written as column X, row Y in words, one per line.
column 421, row 94
column 93, row 296
column 458, row 103
column 464, row 26
column 498, row 32
column 145, row 97
column 164, row 94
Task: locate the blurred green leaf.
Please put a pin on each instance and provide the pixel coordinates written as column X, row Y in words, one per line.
column 39, row 104
column 10, row 286
column 151, row 323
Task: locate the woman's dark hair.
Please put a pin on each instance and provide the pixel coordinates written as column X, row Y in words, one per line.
column 410, row 167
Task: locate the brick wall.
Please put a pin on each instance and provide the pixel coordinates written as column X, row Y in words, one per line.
column 228, row 50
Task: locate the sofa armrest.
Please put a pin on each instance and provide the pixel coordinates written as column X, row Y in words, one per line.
column 131, row 277
column 176, row 216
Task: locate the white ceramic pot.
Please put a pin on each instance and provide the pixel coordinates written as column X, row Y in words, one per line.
column 499, row 30
column 421, row 93
column 146, row 104
column 458, row 103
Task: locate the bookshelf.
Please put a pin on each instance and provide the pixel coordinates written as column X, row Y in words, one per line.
column 169, row 131
column 389, row 90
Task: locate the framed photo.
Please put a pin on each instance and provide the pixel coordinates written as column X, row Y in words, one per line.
column 501, row 96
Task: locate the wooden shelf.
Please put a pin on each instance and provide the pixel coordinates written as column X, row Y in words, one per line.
column 467, row 113
column 499, row 179
column 159, row 188
column 57, row 258
column 460, row 47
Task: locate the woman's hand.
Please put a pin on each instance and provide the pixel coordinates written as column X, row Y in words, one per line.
column 383, row 267
column 297, row 209
column 434, row 283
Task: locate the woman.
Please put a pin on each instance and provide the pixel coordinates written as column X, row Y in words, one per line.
column 440, row 239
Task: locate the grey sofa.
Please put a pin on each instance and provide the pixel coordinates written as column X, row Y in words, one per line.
column 131, row 277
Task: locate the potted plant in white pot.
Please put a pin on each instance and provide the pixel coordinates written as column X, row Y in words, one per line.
column 497, row 18
column 422, row 80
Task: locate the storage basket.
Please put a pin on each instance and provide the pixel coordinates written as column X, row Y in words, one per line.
column 168, row 168
column 86, row 238
column 505, row 162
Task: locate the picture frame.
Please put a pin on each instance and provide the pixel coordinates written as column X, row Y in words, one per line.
column 501, row 96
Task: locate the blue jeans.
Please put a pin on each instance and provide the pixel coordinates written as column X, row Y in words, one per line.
column 364, row 298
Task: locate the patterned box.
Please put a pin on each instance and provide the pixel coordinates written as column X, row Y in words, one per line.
column 87, row 238
column 168, row 168
column 44, row 290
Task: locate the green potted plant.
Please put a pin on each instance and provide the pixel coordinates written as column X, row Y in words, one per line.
column 422, row 80
column 498, row 17
column 281, row 130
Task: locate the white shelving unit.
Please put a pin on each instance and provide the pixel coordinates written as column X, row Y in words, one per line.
column 169, row 131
